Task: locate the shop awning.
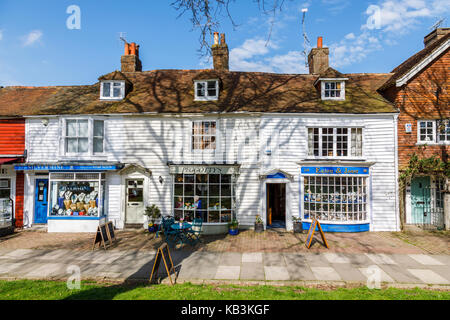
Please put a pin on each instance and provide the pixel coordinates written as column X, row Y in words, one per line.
column 7, row 160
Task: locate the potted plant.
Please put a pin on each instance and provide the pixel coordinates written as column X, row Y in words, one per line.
column 259, row 224
column 153, row 213
column 233, row 227
column 298, row 226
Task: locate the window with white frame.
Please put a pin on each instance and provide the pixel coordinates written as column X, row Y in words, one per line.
column 204, row 135
column 333, row 90
column 334, row 142
column 84, row 136
column 112, row 90
column 206, row 90
column 335, row 198
column 433, row 131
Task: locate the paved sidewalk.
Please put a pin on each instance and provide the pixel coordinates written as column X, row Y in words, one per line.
column 197, row 266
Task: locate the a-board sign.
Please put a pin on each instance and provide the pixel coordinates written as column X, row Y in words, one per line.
column 101, row 237
column 315, row 223
column 110, row 228
column 164, row 254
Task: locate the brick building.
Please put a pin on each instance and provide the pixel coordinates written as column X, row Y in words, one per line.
column 419, row 87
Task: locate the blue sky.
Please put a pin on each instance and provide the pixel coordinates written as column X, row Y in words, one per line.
column 37, row 48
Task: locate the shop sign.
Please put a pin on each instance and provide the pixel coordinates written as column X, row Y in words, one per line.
column 203, row 170
column 65, row 168
column 336, row 170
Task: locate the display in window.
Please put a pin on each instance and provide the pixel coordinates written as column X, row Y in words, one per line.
column 75, row 199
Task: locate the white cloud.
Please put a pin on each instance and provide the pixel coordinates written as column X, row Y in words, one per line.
column 32, row 37
column 1, row 35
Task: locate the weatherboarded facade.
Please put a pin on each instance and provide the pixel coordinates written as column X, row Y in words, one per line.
column 211, row 144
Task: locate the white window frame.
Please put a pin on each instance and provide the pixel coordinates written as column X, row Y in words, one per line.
column 193, row 150
column 342, row 94
column 206, row 97
column 335, row 156
column 435, row 140
column 111, row 96
column 90, row 152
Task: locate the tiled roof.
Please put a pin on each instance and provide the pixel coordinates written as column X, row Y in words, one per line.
column 406, row 66
column 172, row 91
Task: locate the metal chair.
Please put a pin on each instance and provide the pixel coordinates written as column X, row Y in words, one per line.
column 195, row 232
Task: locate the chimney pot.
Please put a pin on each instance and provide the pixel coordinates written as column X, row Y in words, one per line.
column 220, row 53
column 130, row 60
column 319, row 42
column 216, row 38
column 222, row 39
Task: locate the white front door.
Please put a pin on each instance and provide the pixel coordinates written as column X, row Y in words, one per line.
column 135, row 201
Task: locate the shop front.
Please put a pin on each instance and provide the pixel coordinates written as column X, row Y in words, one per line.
column 337, row 196
column 206, row 192
column 69, row 198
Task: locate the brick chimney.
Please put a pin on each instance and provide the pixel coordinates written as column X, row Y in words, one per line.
column 435, row 35
column 220, row 53
column 318, row 58
column 130, row 60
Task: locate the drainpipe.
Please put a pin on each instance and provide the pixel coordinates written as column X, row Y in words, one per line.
column 397, row 206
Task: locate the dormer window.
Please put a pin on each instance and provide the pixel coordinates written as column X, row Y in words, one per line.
column 112, row 90
column 333, row 89
column 206, row 90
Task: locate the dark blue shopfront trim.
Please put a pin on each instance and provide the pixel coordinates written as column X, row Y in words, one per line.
column 75, row 218
column 67, row 167
column 329, row 227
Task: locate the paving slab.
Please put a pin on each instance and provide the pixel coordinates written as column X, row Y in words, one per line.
column 228, row 273
column 230, row 259
column 60, row 254
column 317, row 260
column 326, row 274
column 445, row 259
column 276, row 273
column 48, row 270
column 8, row 267
column 380, row 258
column 298, row 267
column 252, row 271
column 273, row 259
column 23, row 253
column 336, row 257
column 349, row 272
column 426, row 259
column 428, row 276
column 405, row 260
column 399, row 274
column 443, row 271
column 375, row 272
column 256, row 257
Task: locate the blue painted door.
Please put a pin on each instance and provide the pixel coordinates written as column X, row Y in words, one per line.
column 420, row 200
column 41, row 201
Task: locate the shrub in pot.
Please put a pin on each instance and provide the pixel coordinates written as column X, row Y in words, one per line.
column 259, row 224
column 233, row 227
column 153, row 213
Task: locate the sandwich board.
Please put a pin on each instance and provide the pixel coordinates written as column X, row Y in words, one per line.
column 163, row 252
column 101, row 237
column 315, row 223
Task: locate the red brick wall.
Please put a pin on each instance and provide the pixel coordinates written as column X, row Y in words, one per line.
column 19, row 199
column 417, row 100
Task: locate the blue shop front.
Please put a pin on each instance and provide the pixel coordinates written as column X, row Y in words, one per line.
column 68, row 197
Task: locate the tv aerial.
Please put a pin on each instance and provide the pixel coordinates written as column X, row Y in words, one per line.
column 122, row 36
column 306, row 41
column 437, row 24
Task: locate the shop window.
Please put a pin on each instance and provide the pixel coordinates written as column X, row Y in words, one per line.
column 73, row 194
column 206, row 90
column 206, row 196
column 204, row 135
column 335, row 198
column 84, row 136
column 112, row 90
column 335, row 142
column 5, row 202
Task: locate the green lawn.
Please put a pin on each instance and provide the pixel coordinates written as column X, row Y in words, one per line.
column 52, row 290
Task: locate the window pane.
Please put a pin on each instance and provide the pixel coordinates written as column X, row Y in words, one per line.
column 212, row 89
column 98, row 128
column 71, row 128
column 117, row 92
column 83, row 145
column 83, row 128
column 98, row 145
column 200, row 89
column 106, row 89
column 72, row 145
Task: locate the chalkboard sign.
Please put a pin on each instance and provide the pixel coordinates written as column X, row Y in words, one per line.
column 101, row 237
column 315, row 223
column 163, row 252
column 110, row 228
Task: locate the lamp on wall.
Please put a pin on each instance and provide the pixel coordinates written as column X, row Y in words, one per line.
column 45, row 122
column 161, row 180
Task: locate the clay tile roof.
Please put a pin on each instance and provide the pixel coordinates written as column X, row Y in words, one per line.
column 407, row 65
column 172, row 91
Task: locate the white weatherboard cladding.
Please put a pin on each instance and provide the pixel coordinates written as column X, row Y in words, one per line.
column 257, row 143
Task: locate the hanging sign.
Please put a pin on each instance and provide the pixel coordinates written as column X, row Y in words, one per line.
column 194, row 169
column 164, row 254
column 315, row 223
